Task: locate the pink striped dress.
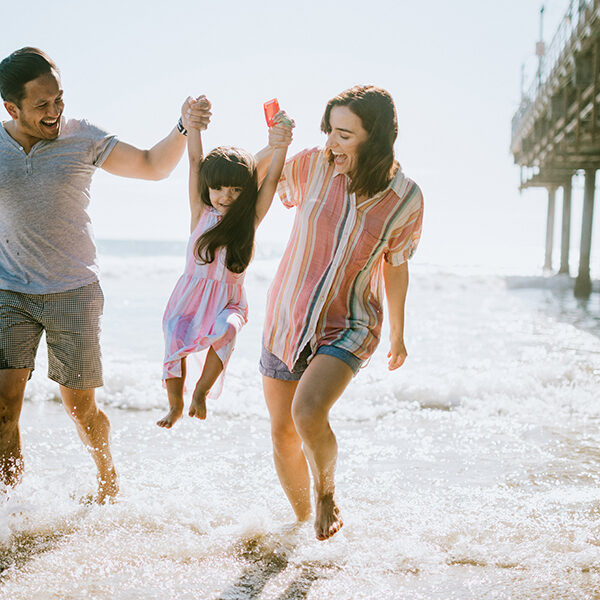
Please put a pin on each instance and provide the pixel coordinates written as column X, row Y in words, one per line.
column 207, row 308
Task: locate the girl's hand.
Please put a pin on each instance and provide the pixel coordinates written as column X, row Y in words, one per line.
column 397, row 354
column 280, row 134
column 195, row 113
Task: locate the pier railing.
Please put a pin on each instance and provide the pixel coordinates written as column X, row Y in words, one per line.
column 573, row 17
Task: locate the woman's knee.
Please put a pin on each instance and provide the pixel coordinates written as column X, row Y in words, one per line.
column 309, row 419
column 285, row 438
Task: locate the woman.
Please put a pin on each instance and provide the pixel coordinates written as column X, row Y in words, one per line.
column 358, row 221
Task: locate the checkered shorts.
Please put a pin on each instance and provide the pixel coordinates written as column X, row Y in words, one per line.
column 71, row 321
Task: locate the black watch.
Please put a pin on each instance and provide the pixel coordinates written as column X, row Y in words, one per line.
column 180, row 127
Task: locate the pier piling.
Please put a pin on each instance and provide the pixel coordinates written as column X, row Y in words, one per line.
column 555, row 129
column 565, row 233
column 583, row 283
column 550, row 228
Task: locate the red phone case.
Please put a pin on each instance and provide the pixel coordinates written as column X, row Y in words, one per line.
column 271, row 109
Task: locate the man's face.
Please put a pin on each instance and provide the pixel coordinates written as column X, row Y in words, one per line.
column 39, row 115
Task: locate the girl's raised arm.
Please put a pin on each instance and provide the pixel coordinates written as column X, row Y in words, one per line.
column 283, row 127
column 197, row 118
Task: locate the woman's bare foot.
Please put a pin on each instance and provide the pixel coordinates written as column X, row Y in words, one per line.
column 328, row 520
column 172, row 416
column 198, row 406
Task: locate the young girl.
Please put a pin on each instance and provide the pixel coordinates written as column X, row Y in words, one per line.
column 208, row 305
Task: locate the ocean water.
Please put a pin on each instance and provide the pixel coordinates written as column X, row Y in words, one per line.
column 471, row 472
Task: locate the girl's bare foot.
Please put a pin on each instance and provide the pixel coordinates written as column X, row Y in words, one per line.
column 172, row 416
column 198, row 406
column 328, row 519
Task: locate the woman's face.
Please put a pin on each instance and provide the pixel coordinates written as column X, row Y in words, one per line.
column 347, row 135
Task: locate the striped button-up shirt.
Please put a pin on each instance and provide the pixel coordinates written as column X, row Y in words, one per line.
column 328, row 289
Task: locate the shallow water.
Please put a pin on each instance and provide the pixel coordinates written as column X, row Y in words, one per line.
column 473, row 472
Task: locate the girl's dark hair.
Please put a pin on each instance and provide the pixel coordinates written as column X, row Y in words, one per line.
column 19, row 68
column 376, row 164
column 229, row 167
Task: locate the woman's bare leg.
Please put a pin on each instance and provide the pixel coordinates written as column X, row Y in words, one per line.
column 319, row 388
column 290, row 461
column 213, row 367
column 175, row 387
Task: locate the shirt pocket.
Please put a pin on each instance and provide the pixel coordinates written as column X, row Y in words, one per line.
column 365, row 245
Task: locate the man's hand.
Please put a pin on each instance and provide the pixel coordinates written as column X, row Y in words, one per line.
column 195, row 113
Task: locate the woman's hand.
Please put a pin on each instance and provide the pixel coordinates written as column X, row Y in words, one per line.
column 397, row 354
column 195, row 113
column 280, row 134
column 396, row 285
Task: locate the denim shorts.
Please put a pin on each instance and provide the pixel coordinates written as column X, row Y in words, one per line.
column 272, row 367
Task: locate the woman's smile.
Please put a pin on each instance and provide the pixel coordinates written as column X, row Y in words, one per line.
column 346, row 137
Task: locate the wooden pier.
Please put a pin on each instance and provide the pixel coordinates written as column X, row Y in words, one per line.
column 556, row 130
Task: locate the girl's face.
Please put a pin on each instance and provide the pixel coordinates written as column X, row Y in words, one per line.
column 347, row 135
column 222, row 197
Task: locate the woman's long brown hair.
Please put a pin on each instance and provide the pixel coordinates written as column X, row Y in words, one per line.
column 376, row 164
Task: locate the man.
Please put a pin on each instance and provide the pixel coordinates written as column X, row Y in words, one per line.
column 48, row 270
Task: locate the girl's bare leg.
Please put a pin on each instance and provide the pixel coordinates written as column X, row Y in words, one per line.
column 212, row 369
column 175, row 393
column 289, row 459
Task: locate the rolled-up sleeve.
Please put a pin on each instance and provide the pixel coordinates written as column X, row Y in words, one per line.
column 404, row 240
column 297, row 176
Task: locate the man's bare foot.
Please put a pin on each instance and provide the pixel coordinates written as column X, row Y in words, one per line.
column 11, row 469
column 328, row 520
column 171, row 417
column 198, row 406
column 4, row 496
column 108, row 487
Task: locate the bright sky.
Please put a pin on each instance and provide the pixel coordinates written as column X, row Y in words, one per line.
column 453, row 69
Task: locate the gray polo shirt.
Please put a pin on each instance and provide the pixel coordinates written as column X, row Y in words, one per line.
column 46, row 239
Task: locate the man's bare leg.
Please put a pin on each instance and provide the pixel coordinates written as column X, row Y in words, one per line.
column 12, row 392
column 320, row 386
column 175, row 387
column 289, row 459
column 211, row 371
column 94, row 430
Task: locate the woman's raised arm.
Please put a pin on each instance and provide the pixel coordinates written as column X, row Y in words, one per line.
column 280, row 137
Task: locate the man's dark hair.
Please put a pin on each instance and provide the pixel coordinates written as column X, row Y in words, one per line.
column 18, row 68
